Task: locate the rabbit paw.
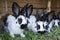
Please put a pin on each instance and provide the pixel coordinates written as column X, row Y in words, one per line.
column 22, row 35
column 48, row 30
column 12, row 35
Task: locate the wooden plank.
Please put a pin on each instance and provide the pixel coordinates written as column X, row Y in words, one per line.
column 37, row 3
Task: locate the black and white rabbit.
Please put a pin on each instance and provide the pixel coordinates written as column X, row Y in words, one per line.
column 22, row 17
column 46, row 22
column 49, row 19
column 33, row 21
column 40, row 23
column 13, row 23
column 57, row 19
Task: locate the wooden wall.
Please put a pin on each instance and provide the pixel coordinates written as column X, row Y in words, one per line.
column 35, row 3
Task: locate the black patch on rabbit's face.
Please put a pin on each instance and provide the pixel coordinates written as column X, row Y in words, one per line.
column 19, row 20
column 23, row 26
column 38, row 26
column 46, row 27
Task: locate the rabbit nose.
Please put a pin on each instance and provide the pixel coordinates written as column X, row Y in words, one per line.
column 23, row 26
column 42, row 32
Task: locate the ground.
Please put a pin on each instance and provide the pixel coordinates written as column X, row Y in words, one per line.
column 53, row 35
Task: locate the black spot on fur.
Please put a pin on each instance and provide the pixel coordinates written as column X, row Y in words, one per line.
column 27, row 21
column 42, row 32
column 23, row 26
column 16, row 22
column 46, row 27
column 19, row 20
column 38, row 26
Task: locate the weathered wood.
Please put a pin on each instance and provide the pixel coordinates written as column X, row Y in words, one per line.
column 55, row 4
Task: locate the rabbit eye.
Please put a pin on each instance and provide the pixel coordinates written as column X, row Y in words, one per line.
column 16, row 22
column 47, row 27
column 28, row 21
column 19, row 20
column 38, row 27
column 44, row 26
column 59, row 23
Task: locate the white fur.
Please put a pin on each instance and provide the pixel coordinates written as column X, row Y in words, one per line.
column 32, row 23
column 41, row 23
column 50, row 25
column 45, row 23
column 32, row 26
column 24, row 20
column 56, row 22
column 13, row 27
column 32, row 19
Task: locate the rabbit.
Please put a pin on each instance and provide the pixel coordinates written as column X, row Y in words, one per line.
column 57, row 19
column 41, row 28
column 33, row 21
column 23, row 18
column 14, row 23
column 49, row 20
column 46, row 21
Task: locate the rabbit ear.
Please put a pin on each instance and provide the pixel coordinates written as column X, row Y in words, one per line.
column 37, row 16
column 24, row 10
column 50, row 16
column 15, row 8
column 29, row 11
